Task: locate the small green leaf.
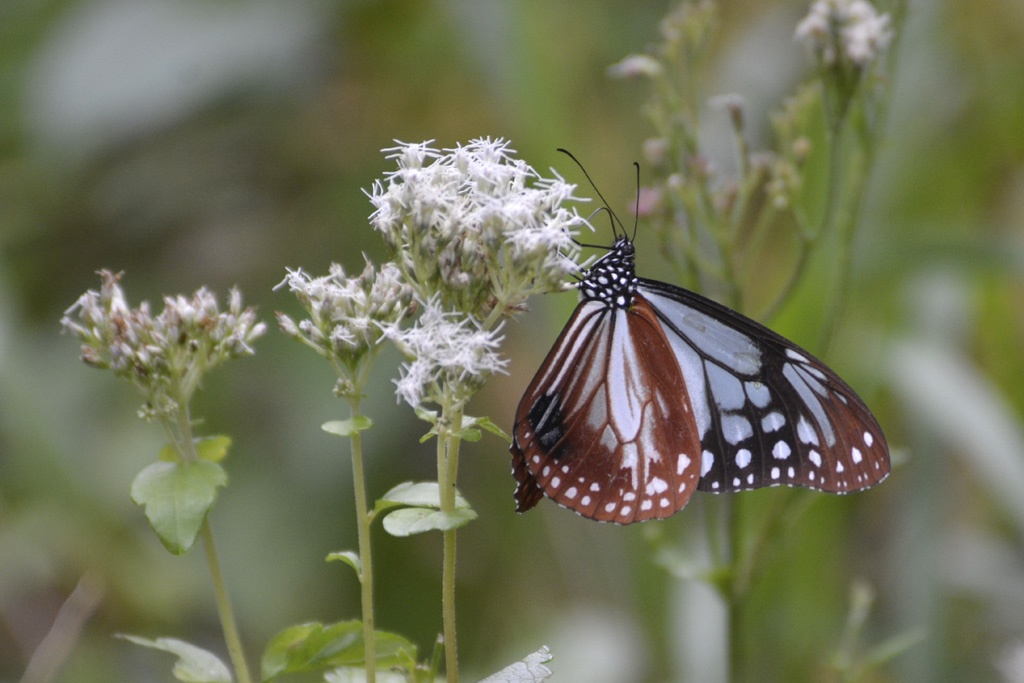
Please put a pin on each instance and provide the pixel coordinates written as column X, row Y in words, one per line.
column 426, row 415
column 468, row 434
column 348, row 427
column 418, row 494
column 177, row 497
column 169, row 454
column 350, row 558
column 485, row 423
column 194, row 665
column 314, row 647
column 213, row 448
column 409, row 521
column 530, row 669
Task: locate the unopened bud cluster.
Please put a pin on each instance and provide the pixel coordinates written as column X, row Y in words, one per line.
column 348, row 316
column 166, row 355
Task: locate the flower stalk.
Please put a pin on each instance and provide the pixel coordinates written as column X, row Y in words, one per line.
column 165, row 357
column 365, row 549
column 348, row 317
column 474, row 232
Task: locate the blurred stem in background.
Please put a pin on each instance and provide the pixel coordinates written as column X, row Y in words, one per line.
column 719, row 230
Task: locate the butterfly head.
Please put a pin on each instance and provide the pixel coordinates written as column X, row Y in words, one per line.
column 612, row 279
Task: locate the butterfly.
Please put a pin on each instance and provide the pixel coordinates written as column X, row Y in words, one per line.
column 652, row 392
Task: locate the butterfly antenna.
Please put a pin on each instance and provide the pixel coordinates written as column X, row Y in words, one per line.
column 593, row 246
column 636, row 207
column 604, row 201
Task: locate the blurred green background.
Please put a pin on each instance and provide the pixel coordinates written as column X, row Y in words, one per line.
column 195, row 143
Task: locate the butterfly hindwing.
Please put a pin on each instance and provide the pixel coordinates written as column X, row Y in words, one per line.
column 606, row 427
column 768, row 412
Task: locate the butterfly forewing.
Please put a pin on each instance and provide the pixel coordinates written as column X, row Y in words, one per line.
column 606, row 427
column 769, row 413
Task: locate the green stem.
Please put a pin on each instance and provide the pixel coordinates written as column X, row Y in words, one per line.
column 736, row 591
column 447, row 471
column 187, row 448
column 227, row 617
column 365, row 559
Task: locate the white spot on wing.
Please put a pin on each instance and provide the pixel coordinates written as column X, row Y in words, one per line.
column 758, row 394
column 772, row 421
column 868, row 439
column 781, row 450
column 805, row 432
column 707, row 459
column 571, row 492
column 856, row 455
column 743, row 457
column 736, row 428
column 726, row 389
column 796, row 356
column 655, row 486
column 682, row 463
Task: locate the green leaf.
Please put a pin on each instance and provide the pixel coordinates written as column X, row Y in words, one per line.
column 194, row 665
column 485, row 423
column 426, row 415
column 350, row 558
column 468, row 434
column 169, row 454
column 530, row 669
column 177, row 496
column 213, row 448
column 314, row 647
column 417, row 494
column 348, row 427
column 409, row 521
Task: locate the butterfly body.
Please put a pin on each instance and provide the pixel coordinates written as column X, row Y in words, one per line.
column 652, row 392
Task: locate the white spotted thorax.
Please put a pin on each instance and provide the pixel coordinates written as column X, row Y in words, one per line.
column 612, row 279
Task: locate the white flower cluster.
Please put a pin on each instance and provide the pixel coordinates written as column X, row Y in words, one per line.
column 475, row 226
column 347, row 315
column 450, row 354
column 164, row 356
column 845, row 31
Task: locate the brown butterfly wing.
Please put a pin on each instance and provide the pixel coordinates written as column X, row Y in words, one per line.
column 606, row 427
